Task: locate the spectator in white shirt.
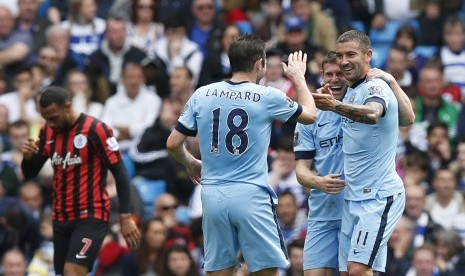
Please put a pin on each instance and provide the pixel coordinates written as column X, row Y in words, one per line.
column 133, row 108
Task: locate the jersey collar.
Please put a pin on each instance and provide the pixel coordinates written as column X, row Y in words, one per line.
column 357, row 83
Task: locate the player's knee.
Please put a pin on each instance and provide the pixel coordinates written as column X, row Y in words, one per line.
column 356, row 269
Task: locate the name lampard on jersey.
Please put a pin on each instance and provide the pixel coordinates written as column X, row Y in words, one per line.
column 234, row 95
column 65, row 161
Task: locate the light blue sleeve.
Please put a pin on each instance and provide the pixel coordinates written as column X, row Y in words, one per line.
column 280, row 106
column 377, row 90
column 188, row 114
column 303, row 138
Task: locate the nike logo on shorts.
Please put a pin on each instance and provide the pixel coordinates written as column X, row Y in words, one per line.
column 80, row 256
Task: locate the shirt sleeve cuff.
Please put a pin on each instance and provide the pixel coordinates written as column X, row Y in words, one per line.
column 377, row 100
column 304, row 155
column 296, row 113
column 184, row 130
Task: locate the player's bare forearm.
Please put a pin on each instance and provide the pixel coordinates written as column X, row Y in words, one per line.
column 305, row 176
column 305, row 99
column 368, row 113
column 406, row 114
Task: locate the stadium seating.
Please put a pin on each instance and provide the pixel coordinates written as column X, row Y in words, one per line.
column 386, row 35
column 427, row 51
column 358, row 25
column 380, row 54
column 149, row 191
column 130, row 166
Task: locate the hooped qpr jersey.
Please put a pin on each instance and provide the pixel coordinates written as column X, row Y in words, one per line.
column 322, row 142
column 233, row 122
column 369, row 150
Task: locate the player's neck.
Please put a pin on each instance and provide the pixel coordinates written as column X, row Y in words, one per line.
column 242, row 76
column 74, row 117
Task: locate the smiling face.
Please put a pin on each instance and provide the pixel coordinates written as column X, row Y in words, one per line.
column 353, row 60
column 333, row 75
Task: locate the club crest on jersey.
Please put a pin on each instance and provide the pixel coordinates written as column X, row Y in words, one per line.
column 80, row 141
column 352, row 98
column 375, row 90
column 112, row 144
column 290, row 102
column 296, row 139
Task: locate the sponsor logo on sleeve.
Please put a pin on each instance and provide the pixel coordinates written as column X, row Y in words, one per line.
column 184, row 109
column 375, row 90
column 296, row 139
column 112, row 144
column 289, row 102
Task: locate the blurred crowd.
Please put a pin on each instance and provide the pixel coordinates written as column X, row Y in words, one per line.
column 134, row 64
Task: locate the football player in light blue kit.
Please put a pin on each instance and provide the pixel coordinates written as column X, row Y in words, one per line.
column 233, row 122
column 374, row 196
column 319, row 145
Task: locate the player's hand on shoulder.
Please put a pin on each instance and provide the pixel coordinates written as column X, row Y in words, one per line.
column 331, row 184
column 129, row 230
column 30, row 148
column 296, row 65
column 376, row 73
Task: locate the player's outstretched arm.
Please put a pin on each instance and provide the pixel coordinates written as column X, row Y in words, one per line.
column 406, row 114
column 369, row 113
column 330, row 184
column 176, row 148
column 295, row 71
column 32, row 161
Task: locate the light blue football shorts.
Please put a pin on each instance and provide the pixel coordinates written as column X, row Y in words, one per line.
column 241, row 216
column 366, row 228
column 322, row 244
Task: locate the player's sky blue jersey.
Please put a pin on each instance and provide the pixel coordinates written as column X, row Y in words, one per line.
column 322, row 142
column 233, row 121
column 369, row 150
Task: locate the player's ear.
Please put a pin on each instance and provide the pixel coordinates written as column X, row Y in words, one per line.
column 68, row 105
column 258, row 64
column 369, row 54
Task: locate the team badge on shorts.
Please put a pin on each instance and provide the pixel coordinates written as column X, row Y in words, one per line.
column 80, row 141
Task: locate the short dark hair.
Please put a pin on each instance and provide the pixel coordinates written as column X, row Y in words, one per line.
column 18, row 124
column 409, row 31
column 297, row 243
column 274, row 52
column 399, row 48
column 22, row 69
column 453, row 21
column 54, row 95
column 434, row 125
column 357, row 36
column 434, row 64
column 175, row 21
column 245, row 51
column 330, row 58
